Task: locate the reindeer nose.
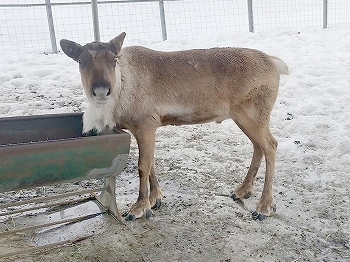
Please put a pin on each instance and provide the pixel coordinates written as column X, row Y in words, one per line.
column 101, row 89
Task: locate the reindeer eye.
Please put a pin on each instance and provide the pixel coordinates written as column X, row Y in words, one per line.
column 80, row 61
column 115, row 60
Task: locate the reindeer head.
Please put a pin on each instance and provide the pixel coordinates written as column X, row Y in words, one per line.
column 97, row 62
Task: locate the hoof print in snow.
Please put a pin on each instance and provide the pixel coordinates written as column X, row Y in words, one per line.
column 289, row 116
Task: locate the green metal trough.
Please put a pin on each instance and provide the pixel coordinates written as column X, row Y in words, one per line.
column 50, row 149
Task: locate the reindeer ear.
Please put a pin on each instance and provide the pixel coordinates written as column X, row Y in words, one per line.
column 117, row 42
column 71, row 49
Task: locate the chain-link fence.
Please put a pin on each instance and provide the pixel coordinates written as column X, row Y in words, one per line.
column 38, row 24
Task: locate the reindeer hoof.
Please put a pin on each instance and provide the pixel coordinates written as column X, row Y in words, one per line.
column 257, row 216
column 148, row 213
column 247, row 195
column 130, row 217
column 234, row 196
column 157, row 204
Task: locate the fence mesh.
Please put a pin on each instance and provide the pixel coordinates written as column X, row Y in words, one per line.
column 190, row 18
column 141, row 21
column 25, row 26
column 287, row 14
column 338, row 12
column 73, row 22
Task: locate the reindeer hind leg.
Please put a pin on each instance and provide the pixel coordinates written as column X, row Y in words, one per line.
column 246, row 188
column 253, row 118
column 264, row 144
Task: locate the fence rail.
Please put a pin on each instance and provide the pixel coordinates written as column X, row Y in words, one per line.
column 23, row 23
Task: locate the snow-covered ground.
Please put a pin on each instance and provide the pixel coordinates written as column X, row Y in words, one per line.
column 198, row 164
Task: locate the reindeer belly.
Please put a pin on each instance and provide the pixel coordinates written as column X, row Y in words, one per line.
column 194, row 117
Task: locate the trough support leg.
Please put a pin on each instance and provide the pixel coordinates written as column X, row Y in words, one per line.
column 107, row 198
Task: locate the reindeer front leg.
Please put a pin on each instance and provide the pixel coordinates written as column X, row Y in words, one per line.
column 156, row 194
column 146, row 143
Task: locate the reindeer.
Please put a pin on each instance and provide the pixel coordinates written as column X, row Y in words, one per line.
column 140, row 89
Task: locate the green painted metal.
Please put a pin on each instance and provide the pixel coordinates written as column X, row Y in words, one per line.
column 42, row 150
column 14, row 130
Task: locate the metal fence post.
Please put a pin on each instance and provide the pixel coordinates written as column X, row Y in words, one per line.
column 162, row 20
column 95, row 20
column 250, row 16
column 325, row 14
column 51, row 26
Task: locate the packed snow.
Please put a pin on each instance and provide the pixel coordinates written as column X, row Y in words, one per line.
column 310, row 120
